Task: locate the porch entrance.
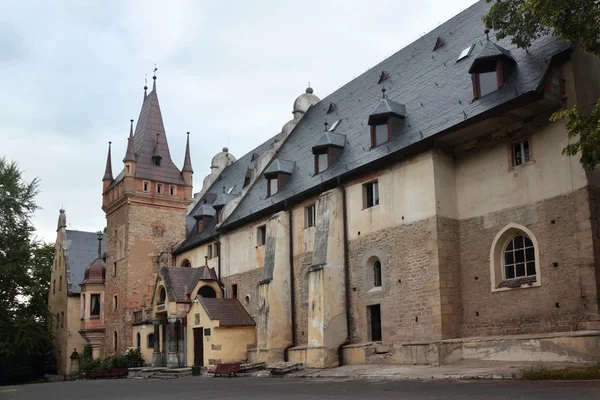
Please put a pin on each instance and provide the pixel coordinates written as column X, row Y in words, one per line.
column 198, row 347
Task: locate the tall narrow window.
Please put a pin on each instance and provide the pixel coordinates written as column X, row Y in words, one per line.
column 159, row 187
column 162, row 297
column 520, row 153
column 62, row 319
column 261, row 235
column 146, row 186
column 150, row 340
column 60, row 284
column 115, row 303
column 321, row 162
column 370, row 194
column 309, row 216
column 210, row 251
column 82, row 305
column 115, row 268
column 380, row 134
column 139, row 341
column 273, row 186
column 172, row 190
column 57, row 320
column 95, row 306
column 234, row 291
column 115, row 344
column 377, row 273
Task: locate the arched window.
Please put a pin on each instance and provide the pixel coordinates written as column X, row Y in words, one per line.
column 139, row 341
column 162, row 296
column 519, row 258
column 186, row 263
column 513, row 259
column 377, row 273
column 207, row 292
column 115, row 341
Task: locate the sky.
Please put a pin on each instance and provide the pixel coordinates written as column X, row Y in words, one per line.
column 72, row 76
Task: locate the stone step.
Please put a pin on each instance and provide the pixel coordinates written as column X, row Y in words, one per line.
column 285, row 368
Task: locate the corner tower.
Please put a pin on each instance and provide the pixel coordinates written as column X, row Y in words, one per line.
column 145, row 208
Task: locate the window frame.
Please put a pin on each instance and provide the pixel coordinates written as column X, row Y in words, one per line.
column 374, row 202
column 150, row 343
column 310, row 216
column 115, row 302
column 377, row 280
column 209, row 251
column 269, row 189
column 172, row 190
column 162, row 296
column 380, row 122
column 512, row 155
column 92, row 314
column 261, row 235
column 146, row 185
column 159, row 187
column 234, row 290
column 475, row 77
column 515, row 263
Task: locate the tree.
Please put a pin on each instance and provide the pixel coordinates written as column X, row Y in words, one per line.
column 25, row 268
column 575, row 21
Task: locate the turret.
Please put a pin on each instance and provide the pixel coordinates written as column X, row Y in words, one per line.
column 129, row 159
column 108, row 176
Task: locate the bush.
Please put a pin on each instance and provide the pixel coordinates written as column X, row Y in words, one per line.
column 130, row 359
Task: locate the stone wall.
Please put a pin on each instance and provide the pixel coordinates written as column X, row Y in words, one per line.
column 247, row 284
column 558, row 304
column 302, row 263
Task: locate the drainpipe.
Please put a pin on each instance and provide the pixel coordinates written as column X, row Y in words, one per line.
column 292, row 287
column 346, row 272
column 218, row 242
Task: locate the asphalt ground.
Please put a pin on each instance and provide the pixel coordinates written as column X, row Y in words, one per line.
column 297, row 388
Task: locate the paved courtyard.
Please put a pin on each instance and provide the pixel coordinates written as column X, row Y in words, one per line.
column 296, row 389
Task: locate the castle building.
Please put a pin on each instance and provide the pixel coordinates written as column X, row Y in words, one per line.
column 422, row 213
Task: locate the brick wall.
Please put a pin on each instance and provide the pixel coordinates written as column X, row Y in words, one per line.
column 247, row 283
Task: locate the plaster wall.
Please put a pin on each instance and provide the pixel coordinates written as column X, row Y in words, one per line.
column 196, row 256
column 144, row 330
column 240, row 250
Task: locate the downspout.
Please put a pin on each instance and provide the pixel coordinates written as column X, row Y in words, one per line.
column 292, row 285
column 218, row 242
column 346, row 273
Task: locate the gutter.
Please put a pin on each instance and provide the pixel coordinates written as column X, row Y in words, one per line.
column 346, row 274
column 292, row 283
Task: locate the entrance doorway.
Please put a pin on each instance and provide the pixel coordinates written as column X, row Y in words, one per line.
column 374, row 320
column 198, row 347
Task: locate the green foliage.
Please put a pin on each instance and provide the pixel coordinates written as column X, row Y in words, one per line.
column 130, row 359
column 575, row 21
column 25, row 268
column 542, row 372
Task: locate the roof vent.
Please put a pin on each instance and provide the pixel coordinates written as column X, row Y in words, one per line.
column 438, row 43
column 383, row 77
column 332, row 107
column 466, row 52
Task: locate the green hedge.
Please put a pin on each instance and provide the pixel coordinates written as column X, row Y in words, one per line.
column 131, row 358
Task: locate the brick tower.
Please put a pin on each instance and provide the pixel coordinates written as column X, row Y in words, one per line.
column 145, row 208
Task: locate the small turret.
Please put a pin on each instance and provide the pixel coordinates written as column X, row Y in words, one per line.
column 129, row 159
column 108, row 176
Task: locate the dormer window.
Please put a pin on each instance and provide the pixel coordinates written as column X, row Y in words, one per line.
column 327, row 150
column 490, row 69
column 321, row 161
column 277, row 175
column 384, row 119
column 202, row 216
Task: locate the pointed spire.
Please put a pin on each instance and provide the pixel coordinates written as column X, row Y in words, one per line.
column 187, row 161
column 108, row 176
column 130, row 155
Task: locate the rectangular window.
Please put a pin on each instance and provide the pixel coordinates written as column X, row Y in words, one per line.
column 95, row 305
column 488, row 82
column 172, row 190
column 273, row 186
column 150, row 340
column 370, row 194
column 159, row 188
column 115, row 303
column 234, row 291
column 322, row 162
column 146, row 186
column 374, row 320
column 216, row 250
column 381, row 134
column 520, row 153
column 261, row 235
column 210, row 251
column 309, row 216
column 83, row 306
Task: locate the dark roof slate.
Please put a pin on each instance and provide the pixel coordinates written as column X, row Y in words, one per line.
column 328, row 139
column 82, row 249
column 229, row 312
column 388, row 107
column 438, row 94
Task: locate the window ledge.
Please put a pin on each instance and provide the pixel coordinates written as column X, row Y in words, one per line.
column 369, row 208
column 522, row 165
column 518, row 283
column 376, row 289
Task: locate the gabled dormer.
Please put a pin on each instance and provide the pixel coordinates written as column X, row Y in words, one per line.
column 328, row 149
column 383, row 118
column 490, row 69
column 203, row 215
column 220, row 203
column 277, row 175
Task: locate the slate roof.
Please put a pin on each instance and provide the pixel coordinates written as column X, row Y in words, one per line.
column 81, row 250
column 232, row 176
column 205, row 210
column 149, row 125
column 229, row 312
column 180, row 281
column 330, row 139
column 278, row 165
column 436, row 90
column 388, row 107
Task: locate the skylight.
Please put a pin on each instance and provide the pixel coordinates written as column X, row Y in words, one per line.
column 231, row 190
column 466, row 52
column 334, row 125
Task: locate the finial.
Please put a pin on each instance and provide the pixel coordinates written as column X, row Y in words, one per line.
column 224, row 189
column 155, row 69
column 206, row 261
column 383, row 92
column 309, row 89
column 146, row 82
column 154, row 79
column 325, row 126
column 225, row 150
column 487, row 34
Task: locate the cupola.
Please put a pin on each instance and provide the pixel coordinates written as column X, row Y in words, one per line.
column 304, row 102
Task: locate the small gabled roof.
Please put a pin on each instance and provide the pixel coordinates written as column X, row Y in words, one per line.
column 203, row 273
column 491, row 51
column 205, row 210
column 223, row 199
column 180, row 281
column 229, row 312
column 280, row 166
column 330, row 139
column 386, row 108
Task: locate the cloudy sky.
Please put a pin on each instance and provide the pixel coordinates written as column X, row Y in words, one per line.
column 71, row 77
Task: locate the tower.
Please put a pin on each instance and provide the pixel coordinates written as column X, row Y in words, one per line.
column 145, row 208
